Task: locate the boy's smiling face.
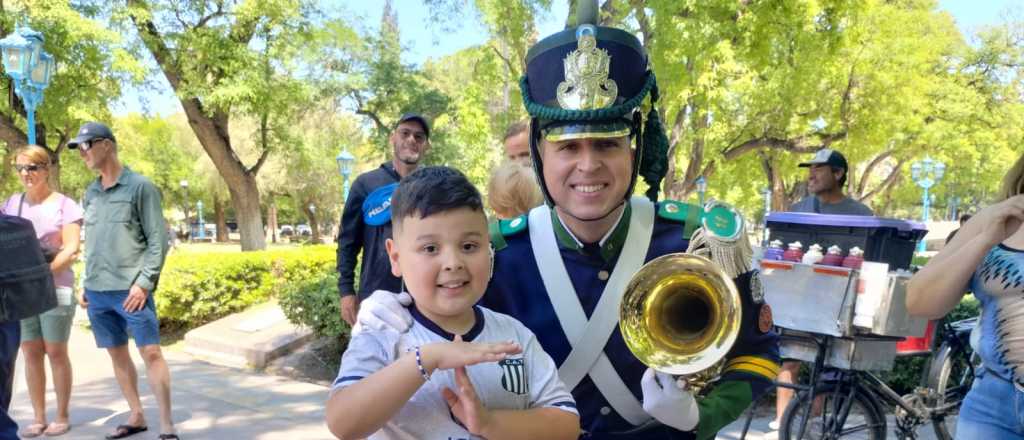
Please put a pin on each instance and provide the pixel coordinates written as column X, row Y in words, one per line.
column 444, row 260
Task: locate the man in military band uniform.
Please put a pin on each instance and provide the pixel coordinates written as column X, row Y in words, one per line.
column 553, row 267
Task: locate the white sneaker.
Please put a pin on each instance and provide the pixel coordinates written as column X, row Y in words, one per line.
column 773, row 425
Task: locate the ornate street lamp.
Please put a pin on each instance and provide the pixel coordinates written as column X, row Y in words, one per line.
column 345, row 162
column 202, row 225
column 30, row 68
column 188, row 224
column 702, row 187
column 926, row 174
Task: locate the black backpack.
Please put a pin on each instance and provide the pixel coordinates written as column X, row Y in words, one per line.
column 26, row 284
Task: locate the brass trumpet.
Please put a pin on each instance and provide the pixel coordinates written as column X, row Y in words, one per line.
column 681, row 315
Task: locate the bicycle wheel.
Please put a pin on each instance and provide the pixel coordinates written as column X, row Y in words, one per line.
column 950, row 375
column 841, row 414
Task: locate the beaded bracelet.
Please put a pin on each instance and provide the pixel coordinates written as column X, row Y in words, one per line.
column 419, row 365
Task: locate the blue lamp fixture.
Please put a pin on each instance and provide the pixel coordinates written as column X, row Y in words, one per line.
column 926, row 174
column 202, row 225
column 30, row 68
column 702, row 187
column 345, row 162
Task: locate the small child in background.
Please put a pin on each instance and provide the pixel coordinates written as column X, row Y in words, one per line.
column 513, row 190
column 461, row 371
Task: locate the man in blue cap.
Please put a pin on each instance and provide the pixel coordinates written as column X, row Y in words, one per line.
column 563, row 268
column 366, row 220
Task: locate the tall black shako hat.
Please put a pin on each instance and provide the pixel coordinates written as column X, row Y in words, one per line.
column 589, row 82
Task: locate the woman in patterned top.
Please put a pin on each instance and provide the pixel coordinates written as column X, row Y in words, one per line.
column 986, row 257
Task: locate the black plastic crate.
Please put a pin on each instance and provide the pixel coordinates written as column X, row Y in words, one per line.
column 883, row 240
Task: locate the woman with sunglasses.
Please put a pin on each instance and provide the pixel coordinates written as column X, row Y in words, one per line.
column 57, row 220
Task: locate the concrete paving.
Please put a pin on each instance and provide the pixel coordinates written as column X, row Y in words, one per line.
column 209, row 401
column 215, row 402
column 248, row 339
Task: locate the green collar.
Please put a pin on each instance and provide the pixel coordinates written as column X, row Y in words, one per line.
column 611, row 245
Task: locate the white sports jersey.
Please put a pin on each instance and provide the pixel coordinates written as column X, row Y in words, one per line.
column 524, row 381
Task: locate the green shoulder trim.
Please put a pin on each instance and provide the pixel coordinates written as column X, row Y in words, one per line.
column 506, row 228
column 723, row 405
column 685, row 213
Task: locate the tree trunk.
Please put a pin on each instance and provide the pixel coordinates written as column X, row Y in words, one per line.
column 314, row 225
column 780, row 198
column 210, row 126
column 272, row 220
column 222, row 223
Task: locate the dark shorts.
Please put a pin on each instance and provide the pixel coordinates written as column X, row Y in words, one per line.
column 111, row 324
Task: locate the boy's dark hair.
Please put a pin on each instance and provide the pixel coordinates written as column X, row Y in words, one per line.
column 430, row 190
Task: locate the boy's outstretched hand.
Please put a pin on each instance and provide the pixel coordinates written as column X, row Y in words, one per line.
column 448, row 355
column 465, row 404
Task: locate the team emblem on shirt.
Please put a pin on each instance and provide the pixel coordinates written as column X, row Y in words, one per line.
column 513, row 376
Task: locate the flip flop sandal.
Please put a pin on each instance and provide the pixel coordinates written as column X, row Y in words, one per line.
column 56, row 429
column 169, row 437
column 33, row 430
column 123, row 431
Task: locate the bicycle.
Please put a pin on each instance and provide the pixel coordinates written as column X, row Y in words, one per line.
column 850, row 404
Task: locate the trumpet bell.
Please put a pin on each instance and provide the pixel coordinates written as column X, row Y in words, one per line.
column 680, row 314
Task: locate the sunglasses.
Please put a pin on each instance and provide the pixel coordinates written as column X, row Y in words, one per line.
column 87, row 145
column 30, row 168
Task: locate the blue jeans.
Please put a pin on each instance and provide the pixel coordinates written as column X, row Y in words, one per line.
column 10, row 337
column 992, row 410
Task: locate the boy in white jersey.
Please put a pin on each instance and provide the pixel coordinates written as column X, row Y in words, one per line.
column 460, row 371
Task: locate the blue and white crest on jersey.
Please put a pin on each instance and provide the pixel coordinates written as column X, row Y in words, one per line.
column 513, row 376
column 377, row 206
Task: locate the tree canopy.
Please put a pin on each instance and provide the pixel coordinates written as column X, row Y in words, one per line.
column 272, row 90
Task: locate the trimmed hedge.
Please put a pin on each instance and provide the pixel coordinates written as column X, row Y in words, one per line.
column 314, row 303
column 200, row 287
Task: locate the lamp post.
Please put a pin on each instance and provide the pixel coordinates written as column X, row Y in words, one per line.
column 345, row 162
column 926, row 174
column 202, row 226
column 30, row 69
column 702, row 186
column 188, row 224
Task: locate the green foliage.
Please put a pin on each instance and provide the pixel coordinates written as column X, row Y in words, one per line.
column 92, row 67
column 199, row 287
column 313, row 302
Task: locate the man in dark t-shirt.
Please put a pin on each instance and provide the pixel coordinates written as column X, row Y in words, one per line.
column 366, row 220
column 826, row 178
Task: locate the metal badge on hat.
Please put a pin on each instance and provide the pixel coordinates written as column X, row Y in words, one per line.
column 586, row 84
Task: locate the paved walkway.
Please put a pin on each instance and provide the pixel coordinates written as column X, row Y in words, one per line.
column 210, row 402
column 213, row 402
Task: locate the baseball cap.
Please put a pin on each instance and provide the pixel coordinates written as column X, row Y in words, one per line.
column 415, row 117
column 827, row 156
column 90, row 131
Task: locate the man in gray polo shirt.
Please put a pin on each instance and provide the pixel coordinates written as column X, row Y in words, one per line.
column 826, row 178
column 125, row 245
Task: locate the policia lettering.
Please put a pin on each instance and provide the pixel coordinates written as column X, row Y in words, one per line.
column 584, row 84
